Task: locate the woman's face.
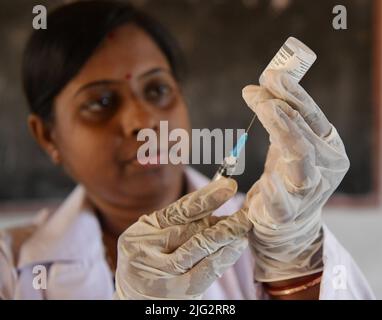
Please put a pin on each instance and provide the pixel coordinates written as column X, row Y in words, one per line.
column 127, row 85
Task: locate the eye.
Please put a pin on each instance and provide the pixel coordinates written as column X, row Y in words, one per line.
column 104, row 102
column 160, row 94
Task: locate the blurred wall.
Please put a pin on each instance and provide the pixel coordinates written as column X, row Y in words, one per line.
column 227, row 45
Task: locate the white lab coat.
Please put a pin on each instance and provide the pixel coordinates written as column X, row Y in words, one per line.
column 68, row 244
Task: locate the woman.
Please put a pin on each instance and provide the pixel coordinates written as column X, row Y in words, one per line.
column 102, row 72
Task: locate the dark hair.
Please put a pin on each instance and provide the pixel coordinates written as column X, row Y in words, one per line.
column 54, row 56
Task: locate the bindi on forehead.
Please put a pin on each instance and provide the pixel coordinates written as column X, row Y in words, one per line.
column 127, row 76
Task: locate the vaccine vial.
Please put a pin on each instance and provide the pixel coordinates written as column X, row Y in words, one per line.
column 294, row 57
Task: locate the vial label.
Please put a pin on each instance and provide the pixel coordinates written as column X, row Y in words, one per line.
column 294, row 57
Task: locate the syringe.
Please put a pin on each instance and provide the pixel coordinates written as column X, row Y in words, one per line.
column 295, row 58
column 227, row 168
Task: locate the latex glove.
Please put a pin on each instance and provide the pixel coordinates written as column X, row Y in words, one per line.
column 306, row 162
column 179, row 251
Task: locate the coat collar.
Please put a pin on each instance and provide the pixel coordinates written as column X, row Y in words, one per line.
column 70, row 233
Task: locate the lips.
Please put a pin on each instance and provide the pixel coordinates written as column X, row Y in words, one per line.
column 151, row 161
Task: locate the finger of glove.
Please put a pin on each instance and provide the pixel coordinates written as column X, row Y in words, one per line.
column 283, row 130
column 213, row 266
column 210, row 240
column 196, row 205
column 174, row 236
column 330, row 152
column 193, row 283
column 292, row 137
column 151, row 251
column 151, row 246
column 280, row 204
column 327, row 152
column 254, row 95
column 283, row 87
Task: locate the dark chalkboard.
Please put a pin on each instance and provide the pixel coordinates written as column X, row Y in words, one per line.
column 227, row 44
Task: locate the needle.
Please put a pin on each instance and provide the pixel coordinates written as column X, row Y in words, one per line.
column 251, row 123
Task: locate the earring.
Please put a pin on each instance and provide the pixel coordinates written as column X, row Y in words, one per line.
column 55, row 155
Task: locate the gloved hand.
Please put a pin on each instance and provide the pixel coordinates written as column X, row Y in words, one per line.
column 179, row 251
column 306, row 161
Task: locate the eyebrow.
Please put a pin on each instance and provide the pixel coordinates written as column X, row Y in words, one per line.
column 104, row 82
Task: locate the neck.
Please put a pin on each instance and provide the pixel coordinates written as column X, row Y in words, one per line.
column 116, row 219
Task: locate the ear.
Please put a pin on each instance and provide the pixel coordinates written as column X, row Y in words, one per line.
column 43, row 134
